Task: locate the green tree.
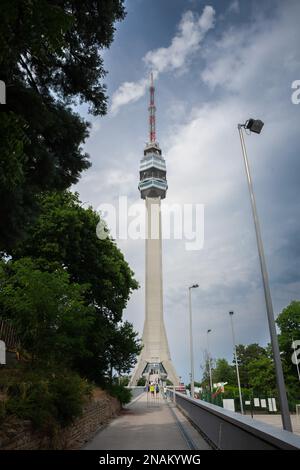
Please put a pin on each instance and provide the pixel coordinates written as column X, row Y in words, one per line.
column 261, row 376
column 224, row 372
column 64, row 236
column 12, row 179
column 55, row 46
column 48, row 312
column 125, row 348
column 50, row 59
column 247, row 354
column 208, row 362
column 196, row 384
column 289, row 323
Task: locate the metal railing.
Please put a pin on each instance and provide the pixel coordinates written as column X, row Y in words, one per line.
column 228, row 430
column 136, row 391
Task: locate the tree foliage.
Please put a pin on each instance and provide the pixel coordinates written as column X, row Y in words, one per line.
column 50, row 57
column 48, row 312
column 64, row 236
column 125, row 348
column 246, row 354
column 261, row 376
column 256, row 370
column 62, row 268
column 289, row 323
column 208, row 362
column 55, row 46
column 224, row 372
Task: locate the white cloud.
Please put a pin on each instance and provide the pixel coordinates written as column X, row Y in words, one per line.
column 128, row 92
column 248, row 58
column 191, row 31
column 109, row 181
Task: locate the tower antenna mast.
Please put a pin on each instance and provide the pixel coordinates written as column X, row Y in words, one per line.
column 152, row 110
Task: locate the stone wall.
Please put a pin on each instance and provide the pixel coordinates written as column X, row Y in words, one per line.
column 98, row 412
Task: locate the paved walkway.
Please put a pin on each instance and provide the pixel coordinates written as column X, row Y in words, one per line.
column 148, row 424
column 275, row 420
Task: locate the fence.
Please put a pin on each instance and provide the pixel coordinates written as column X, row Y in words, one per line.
column 9, row 335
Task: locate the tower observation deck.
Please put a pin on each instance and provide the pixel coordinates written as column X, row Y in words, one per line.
column 153, row 182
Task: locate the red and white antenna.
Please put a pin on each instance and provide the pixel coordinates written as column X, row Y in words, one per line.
column 152, row 109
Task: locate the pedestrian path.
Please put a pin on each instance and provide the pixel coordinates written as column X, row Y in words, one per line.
column 275, row 420
column 148, row 424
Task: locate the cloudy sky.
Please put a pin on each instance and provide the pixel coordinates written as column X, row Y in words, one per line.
column 216, row 64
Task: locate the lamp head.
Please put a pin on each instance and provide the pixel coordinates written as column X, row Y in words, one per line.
column 208, row 331
column 194, row 286
column 254, row 125
column 231, row 313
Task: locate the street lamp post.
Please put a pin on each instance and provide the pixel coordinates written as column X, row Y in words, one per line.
column 209, row 362
column 194, row 286
column 256, row 127
column 236, row 363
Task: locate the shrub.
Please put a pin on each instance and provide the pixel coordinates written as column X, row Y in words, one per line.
column 141, row 382
column 68, row 397
column 2, row 411
column 122, row 393
column 48, row 399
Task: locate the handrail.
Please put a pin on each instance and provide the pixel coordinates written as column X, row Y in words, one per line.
column 228, row 430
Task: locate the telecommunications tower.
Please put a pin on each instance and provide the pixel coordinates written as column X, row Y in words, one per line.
column 154, row 361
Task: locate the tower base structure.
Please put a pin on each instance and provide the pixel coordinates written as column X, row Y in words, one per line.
column 155, row 372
